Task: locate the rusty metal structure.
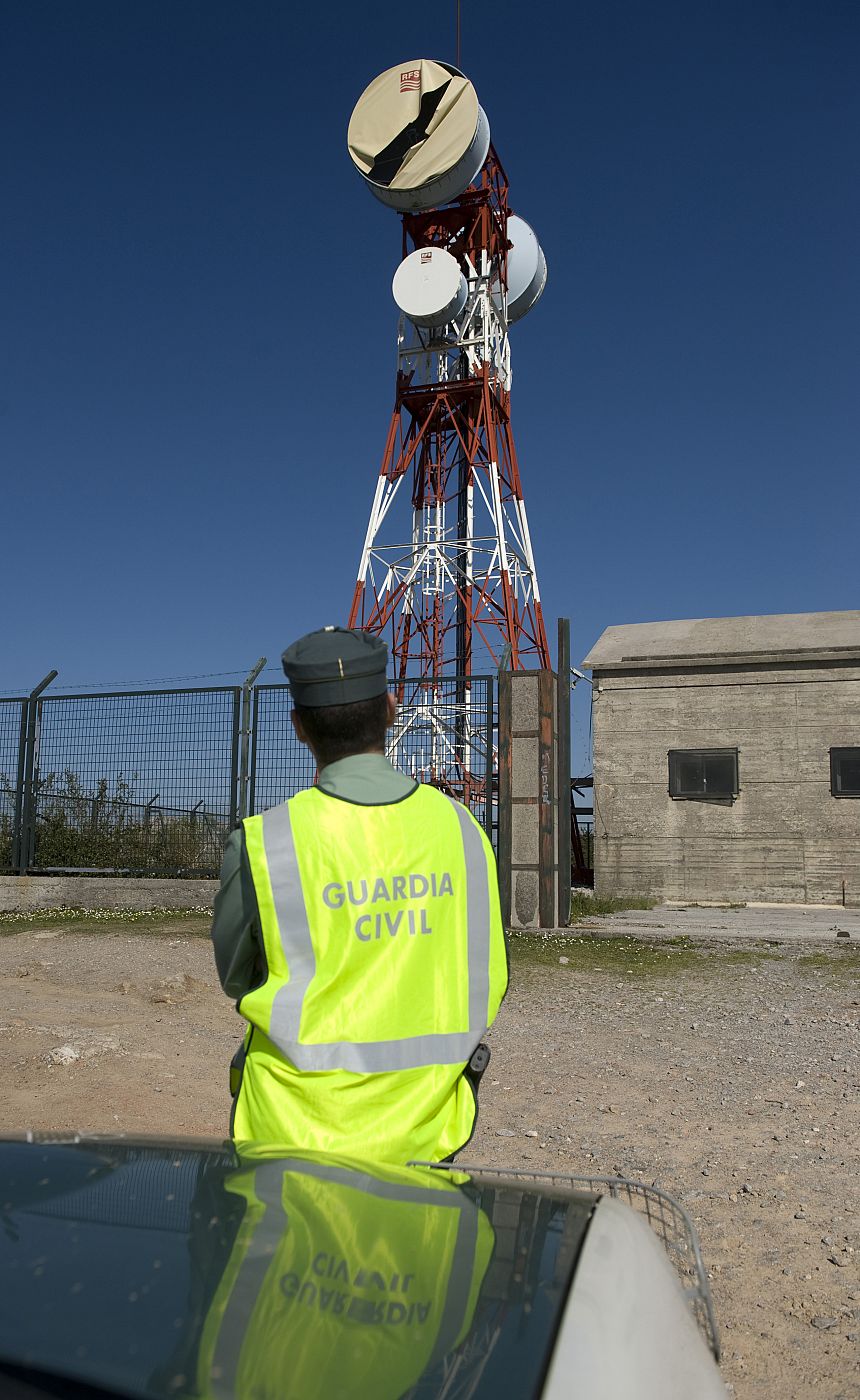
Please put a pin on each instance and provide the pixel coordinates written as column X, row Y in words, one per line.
column 456, row 591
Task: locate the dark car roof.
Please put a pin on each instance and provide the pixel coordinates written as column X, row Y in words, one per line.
column 161, row 1269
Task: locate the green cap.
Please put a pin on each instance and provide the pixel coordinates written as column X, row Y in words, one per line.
column 336, row 666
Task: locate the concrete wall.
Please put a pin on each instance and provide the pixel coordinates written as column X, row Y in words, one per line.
column 785, row 838
column 528, row 802
column 20, row 893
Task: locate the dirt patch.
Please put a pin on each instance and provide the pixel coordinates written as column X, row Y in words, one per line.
column 728, row 1075
column 148, row 1027
column 725, row 1072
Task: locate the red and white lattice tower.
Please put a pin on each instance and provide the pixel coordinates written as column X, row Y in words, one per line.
column 447, row 572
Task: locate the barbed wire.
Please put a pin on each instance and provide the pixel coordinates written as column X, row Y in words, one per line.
column 22, row 692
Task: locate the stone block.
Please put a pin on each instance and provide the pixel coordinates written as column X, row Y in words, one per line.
column 524, row 768
column 524, row 834
column 524, row 701
column 525, row 902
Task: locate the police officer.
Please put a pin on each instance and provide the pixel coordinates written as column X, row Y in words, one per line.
column 358, row 928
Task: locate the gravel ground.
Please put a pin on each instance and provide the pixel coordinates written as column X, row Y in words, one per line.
column 712, row 1052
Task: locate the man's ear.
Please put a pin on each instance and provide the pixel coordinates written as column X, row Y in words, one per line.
column 297, row 726
column 392, row 709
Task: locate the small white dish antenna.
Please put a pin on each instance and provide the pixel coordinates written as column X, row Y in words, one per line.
column 526, row 269
column 429, row 287
column 418, row 135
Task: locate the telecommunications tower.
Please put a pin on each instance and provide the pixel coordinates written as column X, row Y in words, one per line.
column 447, row 573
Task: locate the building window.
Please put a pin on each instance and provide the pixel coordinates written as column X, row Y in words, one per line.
column 703, row 773
column 845, row 772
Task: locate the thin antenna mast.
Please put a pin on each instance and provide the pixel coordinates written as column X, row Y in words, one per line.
column 458, row 33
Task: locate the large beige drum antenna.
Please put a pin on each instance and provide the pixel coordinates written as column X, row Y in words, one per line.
column 418, row 135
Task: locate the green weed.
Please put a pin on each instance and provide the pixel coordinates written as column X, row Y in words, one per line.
column 197, row 919
column 584, row 906
column 618, row 956
column 842, row 957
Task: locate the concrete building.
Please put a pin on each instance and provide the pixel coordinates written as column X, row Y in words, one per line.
column 727, row 758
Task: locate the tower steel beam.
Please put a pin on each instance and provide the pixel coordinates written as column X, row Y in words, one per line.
column 447, row 573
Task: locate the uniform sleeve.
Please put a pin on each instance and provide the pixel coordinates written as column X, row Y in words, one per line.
column 234, row 925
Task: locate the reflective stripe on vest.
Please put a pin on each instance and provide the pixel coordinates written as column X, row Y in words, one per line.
column 370, row 1056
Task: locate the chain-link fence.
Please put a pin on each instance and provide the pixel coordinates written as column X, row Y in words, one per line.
column 151, row 782
column 443, row 735
column 133, row 782
column 12, row 721
column 280, row 765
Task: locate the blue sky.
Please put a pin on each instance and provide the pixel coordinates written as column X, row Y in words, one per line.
column 197, row 332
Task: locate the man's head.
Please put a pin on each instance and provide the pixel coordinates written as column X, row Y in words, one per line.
column 339, row 688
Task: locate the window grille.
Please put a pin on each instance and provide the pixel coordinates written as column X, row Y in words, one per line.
column 703, row 773
column 845, row 772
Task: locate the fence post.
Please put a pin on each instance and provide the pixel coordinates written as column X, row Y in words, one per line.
column 233, row 816
column 244, row 740
column 547, row 803
column 563, row 794
column 489, row 767
column 17, row 820
column 27, row 838
column 252, row 762
column 505, row 833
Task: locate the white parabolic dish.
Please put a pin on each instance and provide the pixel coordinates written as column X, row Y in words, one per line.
column 418, row 136
column 429, row 287
column 526, row 269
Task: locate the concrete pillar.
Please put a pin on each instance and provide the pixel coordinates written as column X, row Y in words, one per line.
column 531, row 806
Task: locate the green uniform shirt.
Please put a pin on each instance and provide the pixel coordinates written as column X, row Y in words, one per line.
column 367, row 779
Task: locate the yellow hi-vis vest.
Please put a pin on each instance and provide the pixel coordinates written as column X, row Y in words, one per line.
column 386, row 963
column 342, row 1282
